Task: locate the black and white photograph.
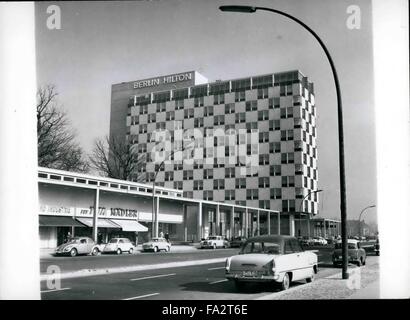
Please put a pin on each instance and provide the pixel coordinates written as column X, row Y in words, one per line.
column 204, row 150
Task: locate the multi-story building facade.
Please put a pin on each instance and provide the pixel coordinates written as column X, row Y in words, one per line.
column 266, row 156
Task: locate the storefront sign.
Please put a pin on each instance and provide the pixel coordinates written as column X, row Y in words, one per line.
column 56, row 210
column 163, row 80
column 126, row 213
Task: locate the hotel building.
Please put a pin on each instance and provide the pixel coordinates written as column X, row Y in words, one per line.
column 277, row 109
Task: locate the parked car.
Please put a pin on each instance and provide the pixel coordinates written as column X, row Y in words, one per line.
column 275, row 259
column 214, row 242
column 377, row 247
column 356, row 254
column 319, row 241
column 78, row 245
column 237, row 242
column 156, row 244
column 119, row 245
column 306, row 241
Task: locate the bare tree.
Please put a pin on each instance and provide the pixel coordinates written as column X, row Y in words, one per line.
column 116, row 158
column 56, row 143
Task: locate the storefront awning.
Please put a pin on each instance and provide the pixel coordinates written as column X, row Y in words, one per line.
column 102, row 223
column 53, row 221
column 130, row 225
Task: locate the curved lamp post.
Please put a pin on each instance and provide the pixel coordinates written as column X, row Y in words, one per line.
column 250, row 9
column 360, row 218
column 301, row 204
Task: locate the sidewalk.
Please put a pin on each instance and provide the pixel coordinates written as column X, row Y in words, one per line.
column 47, row 253
column 363, row 283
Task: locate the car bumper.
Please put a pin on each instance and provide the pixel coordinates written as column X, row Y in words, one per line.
column 238, row 276
column 339, row 260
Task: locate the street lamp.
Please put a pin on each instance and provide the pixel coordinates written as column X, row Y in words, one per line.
column 300, row 209
column 251, row 9
column 154, row 230
column 360, row 218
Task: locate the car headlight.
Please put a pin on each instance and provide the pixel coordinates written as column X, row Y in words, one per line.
column 227, row 264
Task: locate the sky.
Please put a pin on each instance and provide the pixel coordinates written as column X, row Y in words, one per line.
column 102, row 43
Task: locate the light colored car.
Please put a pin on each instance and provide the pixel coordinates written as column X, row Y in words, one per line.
column 356, row 254
column 214, row 242
column 156, row 244
column 119, row 245
column 78, row 245
column 275, row 259
column 319, row 241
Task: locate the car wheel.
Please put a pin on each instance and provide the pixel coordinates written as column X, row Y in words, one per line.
column 119, row 251
column 168, row 248
column 360, row 262
column 73, row 252
column 312, row 277
column 131, row 251
column 155, row 249
column 214, row 245
column 239, row 285
column 285, row 282
column 95, row 251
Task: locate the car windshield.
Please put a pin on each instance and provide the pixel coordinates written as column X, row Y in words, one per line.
column 261, row 247
column 73, row 240
column 349, row 246
column 113, row 241
column 212, row 238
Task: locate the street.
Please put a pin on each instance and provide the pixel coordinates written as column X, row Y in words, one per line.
column 191, row 281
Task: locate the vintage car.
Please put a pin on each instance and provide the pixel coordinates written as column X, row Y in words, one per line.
column 237, row 242
column 319, row 241
column 156, row 244
column 119, row 245
column 271, row 258
column 356, row 254
column 214, row 242
column 78, row 245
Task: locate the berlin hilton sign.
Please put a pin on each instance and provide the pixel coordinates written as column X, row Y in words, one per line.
column 163, row 80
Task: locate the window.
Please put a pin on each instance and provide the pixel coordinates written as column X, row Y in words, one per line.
column 169, row 176
column 263, row 137
column 143, row 128
column 263, row 115
column 160, row 126
column 251, row 105
column 135, row 120
column 276, row 193
column 178, row 185
column 230, row 173
column 219, row 99
column 209, row 111
column 275, row 170
column 198, row 122
column 188, row 174
column 299, row 169
column 274, row 103
column 274, row 147
column 188, row 194
column 170, row 115
column 288, row 205
column 297, row 123
column 305, row 182
column 198, row 165
column 239, row 96
column 208, row 174
column 264, row 204
column 240, row 117
column 252, row 194
column 143, row 109
column 288, row 158
column 263, row 159
column 274, row 125
column 219, row 120
column 198, row 185
column 229, row 194
column 251, row 126
column 264, row 182
column 286, row 135
column 314, row 131
column 219, row 184
column 298, row 146
column 178, row 166
column 142, row 148
column 208, row 195
column 199, row 102
column 288, row 181
column 240, row 183
column 160, row 106
column 188, row 113
column 229, row 108
column 262, row 93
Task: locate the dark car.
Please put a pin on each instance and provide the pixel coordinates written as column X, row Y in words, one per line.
column 356, row 254
column 237, row 242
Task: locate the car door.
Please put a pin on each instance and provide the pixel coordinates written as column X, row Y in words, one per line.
column 90, row 245
column 82, row 246
column 290, row 260
column 303, row 269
